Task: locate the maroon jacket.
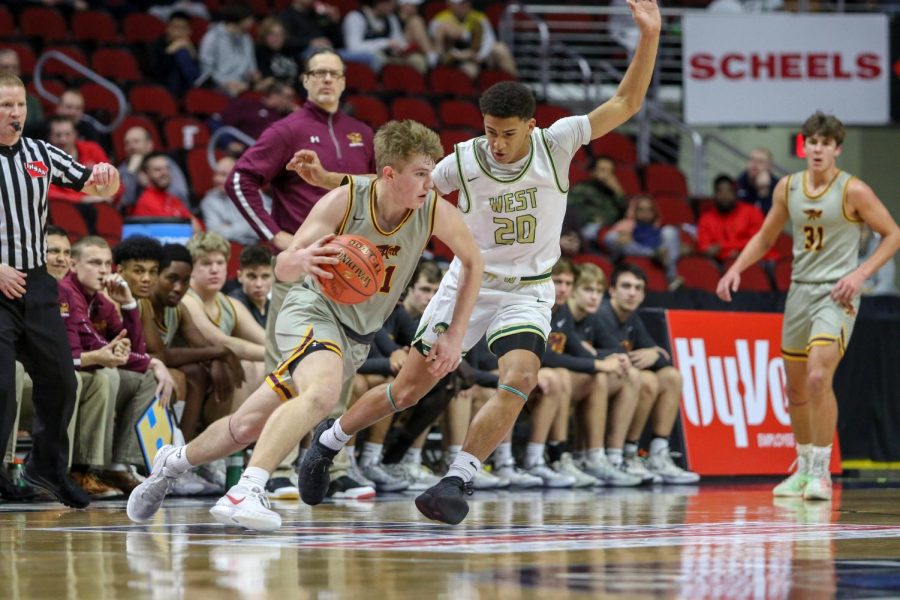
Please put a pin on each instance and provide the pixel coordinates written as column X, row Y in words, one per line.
column 343, row 144
column 92, row 322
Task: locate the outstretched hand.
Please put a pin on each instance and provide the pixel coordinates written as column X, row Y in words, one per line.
column 646, row 15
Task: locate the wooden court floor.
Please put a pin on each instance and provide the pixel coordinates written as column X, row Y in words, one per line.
column 717, row 540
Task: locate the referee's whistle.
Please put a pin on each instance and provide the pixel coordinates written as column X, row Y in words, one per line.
column 15, row 125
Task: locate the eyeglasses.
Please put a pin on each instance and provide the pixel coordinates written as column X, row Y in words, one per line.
column 323, row 73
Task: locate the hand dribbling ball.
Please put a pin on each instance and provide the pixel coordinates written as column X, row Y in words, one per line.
column 358, row 273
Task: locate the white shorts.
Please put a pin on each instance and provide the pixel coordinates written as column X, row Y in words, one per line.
column 504, row 307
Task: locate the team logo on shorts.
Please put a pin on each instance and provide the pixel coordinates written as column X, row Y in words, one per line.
column 812, row 214
column 441, row 328
column 36, row 169
column 355, row 138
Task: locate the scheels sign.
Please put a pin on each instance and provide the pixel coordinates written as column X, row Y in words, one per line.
column 780, row 68
column 734, row 405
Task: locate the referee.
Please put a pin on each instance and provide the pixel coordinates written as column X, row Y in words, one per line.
column 31, row 328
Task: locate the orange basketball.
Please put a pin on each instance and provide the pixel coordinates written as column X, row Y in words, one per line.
column 358, row 274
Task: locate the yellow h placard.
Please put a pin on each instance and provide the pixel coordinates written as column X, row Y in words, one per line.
column 154, row 430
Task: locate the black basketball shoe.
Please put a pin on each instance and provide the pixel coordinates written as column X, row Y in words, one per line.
column 445, row 501
column 313, row 473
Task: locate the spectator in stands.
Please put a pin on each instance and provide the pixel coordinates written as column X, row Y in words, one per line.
column 882, row 283
column 91, row 298
column 598, row 202
column 724, row 231
column 71, row 105
column 570, row 242
column 138, row 144
column 757, row 183
column 227, row 55
column 252, row 115
column 415, row 29
column 172, row 60
column 375, row 31
column 311, row 25
column 63, row 135
column 273, row 58
column 465, row 38
column 34, row 124
column 220, row 213
column 640, row 233
column 256, row 276
column 157, row 200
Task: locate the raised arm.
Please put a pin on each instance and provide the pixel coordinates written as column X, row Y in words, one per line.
column 633, row 87
column 761, row 242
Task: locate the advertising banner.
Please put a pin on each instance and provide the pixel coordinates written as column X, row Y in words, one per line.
column 734, row 406
column 780, row 68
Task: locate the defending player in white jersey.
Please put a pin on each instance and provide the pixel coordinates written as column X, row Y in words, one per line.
column 512, row 184
column 827, row 207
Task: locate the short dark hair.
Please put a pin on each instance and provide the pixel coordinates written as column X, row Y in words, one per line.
column 508, row 99
column 428, row 269
column 828, row 126
column 319, row 52
column 59, row 119
column 564, row 265
column 722, row 177
column 623, row 268
column 150, row 156
column 235, row 12
column 597, row 159
column 179, row 14
column 174, row 253
column 57, row 230
column 256, row 255
column 137, row 247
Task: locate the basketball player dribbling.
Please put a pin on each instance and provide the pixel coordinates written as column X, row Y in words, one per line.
column 827, row 207
column 513, row 188
column 323, row 343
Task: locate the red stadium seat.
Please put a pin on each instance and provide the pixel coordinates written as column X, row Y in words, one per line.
column 628, row 178
column 784, row 246
column 117, row 64
column 617, row 146
column 403, row 79
column 130, row 121
column 178, row 130
column 489, row 77
column 656, row 277
column 199, row 25
column 416, row 109
column 199, row 171
column 783, row 274
column 7, row 23
column 45, row 23
column 601, row 261
column 368, row 109
column 673, row 210
column 699, row 272
column 65, row 215
column 205, row 102
column 346, row 6
column 153, row 100
column 461, row 113
column 755, row 279
column 665, row 179
column 94, row 26
column 451, row 137
column 548, row 114
column 360, row 78
column 447, row 81
column 141, row 28
column 109, row 223
column 97, row 97
column 55, row 67
column 234, row 259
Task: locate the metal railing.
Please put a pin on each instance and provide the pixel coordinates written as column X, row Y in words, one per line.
column 219, row 134
column 89, row 74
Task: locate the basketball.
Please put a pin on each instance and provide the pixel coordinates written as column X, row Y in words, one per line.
column 358, row 274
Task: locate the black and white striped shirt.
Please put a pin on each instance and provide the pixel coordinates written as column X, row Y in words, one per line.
column 27, row 169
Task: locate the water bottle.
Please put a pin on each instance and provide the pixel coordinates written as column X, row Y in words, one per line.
column 234, row 466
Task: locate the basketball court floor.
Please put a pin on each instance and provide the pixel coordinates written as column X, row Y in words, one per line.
column 716, row 540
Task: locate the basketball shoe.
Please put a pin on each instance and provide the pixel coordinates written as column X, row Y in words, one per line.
column 517, row 477
column 566, row 466
column 313, row 473
column 247, row 506
column 445, row 502
column 818, row 486
column 661, row 463
column 146, row 498
column 793, row 486
column 419, row 477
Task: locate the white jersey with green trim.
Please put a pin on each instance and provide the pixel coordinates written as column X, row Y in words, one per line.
column 515, row 211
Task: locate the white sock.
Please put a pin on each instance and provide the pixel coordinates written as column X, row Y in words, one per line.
column 596, row 454
column 821, row 460
column 615, row 456
column 579, row 455
column 371, row 454
column 335, row 438
column 503, row 454
column 659, row 444
column 464, row 466
column 178, row 461
column 351, row 455
column 254, row 476
column 534, row 455
column 804, row 458
column 413, row 455
column 452, row 451
column 631, row 449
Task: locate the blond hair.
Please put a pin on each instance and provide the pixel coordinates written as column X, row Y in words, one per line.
column 10, row 80
column 207, row 242
column 590, row 274
column 88, row 241
column 399, row 141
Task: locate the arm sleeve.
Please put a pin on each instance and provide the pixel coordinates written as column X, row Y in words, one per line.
column 214, row 217
column 65, row 171
column 446, row 175
column 557, row 360
column 643, row 339
column 260, row 164
column 71, row 315
column 706, row 234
